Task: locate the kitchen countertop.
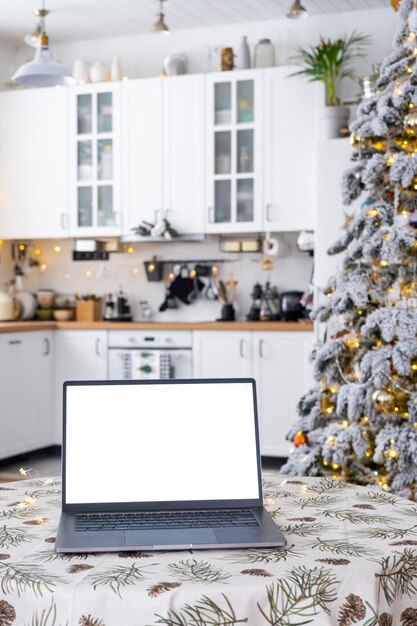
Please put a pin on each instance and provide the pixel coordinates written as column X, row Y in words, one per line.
column 8, row 327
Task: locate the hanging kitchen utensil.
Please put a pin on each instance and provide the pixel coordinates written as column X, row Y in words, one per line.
column 211, row 293
column 223, row 292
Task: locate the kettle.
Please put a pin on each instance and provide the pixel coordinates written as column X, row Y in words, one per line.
column 290, row 307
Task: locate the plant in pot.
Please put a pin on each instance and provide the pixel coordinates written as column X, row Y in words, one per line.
column 329, row 62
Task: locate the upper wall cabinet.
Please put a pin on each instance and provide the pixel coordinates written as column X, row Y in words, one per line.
column 142, row 132
column 260, row 129
column 164, row 134
column 95, row 197
column 290, row 151
column 33, row 164
column 234, row 168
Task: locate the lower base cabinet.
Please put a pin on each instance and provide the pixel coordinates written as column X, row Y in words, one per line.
column 79, row 355
column 279, row 363
column 26, row 367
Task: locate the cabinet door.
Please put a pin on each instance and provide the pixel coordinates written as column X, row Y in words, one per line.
column 222, row 354
column 24, row 414
column 234, row 129
column 80, row 355
column 33, row 164
column 95, row 113
column 289, row 143
column 183, row 165
column 142, row 131
column 282, row 373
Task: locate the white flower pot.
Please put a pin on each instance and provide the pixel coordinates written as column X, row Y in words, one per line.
column 331, row 120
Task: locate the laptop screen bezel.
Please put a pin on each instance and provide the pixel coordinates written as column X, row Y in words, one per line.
column 160, row 505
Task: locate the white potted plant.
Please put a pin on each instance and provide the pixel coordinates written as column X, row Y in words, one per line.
column 329, row 62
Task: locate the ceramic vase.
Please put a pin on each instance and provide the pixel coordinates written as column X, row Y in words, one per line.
column 331, row 120
column 81, row 72
column 99, row 72
column 243, row 55
column 264, row 54
column 116, row 72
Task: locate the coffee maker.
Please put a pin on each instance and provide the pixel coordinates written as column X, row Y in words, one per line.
column 117, row 308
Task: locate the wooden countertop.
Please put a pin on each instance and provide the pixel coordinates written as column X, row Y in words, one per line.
column 9, row 327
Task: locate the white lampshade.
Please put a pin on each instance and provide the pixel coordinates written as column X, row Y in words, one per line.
column 43, row 71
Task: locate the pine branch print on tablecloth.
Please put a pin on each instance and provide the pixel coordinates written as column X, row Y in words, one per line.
column 87, row 620
column 304, row 530
column 398, row 576
column 351, row 611
column 204, row 612
column 197, row 571
column 22, row 577
column 46, row 618
column 118, row 577
column 14, row 536
column 357, row 517
column 301, row 593
column 344, row 548
column 274, row 555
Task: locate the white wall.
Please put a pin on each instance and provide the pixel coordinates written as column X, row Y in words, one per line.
column 66, row 276
column 142, row 55
column 8, row 65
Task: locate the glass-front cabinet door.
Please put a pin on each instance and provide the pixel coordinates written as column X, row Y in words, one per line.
column 96, row 162
column 234, row 125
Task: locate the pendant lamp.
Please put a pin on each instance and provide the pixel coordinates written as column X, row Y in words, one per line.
column 297, row 11
column 160, row 25
column 43, row 71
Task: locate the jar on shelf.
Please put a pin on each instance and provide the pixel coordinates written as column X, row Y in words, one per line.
column 7, row 304
column 264, row 54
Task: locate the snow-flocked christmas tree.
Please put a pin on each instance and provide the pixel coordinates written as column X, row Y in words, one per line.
column 360, row 423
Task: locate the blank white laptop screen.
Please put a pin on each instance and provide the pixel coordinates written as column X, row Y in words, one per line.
column 162, row 442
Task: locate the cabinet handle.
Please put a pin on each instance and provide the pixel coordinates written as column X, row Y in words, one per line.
column 14, row 342
column 98, row 351
column 268, row 212
column 64, row 221
column 211, row 214
column 47, row 346
column 241, row 346
column 260, row 350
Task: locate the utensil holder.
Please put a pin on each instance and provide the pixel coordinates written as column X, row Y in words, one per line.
column 88, row 310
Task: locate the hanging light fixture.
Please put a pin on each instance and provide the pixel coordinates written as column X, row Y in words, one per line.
column 32, row 38
column 43, row 71
column 297, row 11
column 160, row 25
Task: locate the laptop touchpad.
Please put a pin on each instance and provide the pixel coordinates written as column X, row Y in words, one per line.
column 177, row 536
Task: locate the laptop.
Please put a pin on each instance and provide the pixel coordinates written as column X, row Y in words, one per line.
column 162, row 465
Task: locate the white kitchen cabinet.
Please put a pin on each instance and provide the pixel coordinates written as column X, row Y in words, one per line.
column 290, row 151
column 95, row 164
column 222, row 354
column 79, row 355
column 183, row 152
column 234, row 155
column 282, row 373
column 25, row 391
column 142, row 131
column 34, row 164
column 164, row 152
column 279, row 363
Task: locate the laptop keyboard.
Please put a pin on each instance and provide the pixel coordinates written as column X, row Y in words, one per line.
column 166, row 519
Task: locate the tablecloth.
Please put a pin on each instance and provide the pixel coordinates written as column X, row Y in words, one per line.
column 351, row 559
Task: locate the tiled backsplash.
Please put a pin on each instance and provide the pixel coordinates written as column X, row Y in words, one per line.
column 58, row 271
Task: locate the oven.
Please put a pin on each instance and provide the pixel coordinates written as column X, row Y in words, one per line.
column 141, row 354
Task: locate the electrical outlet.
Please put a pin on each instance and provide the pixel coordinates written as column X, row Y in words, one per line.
column 103, row 272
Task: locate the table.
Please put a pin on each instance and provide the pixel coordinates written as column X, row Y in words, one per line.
column 351, row 559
